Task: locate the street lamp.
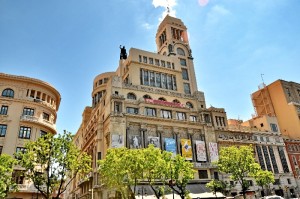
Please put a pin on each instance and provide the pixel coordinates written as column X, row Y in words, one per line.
column 143, row 191
column 92, row 190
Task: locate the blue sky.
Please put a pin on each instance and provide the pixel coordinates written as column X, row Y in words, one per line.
column 69, row 42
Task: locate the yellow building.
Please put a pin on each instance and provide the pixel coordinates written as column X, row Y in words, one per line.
column 280, row 99
column 151, row 96
column 28, row 110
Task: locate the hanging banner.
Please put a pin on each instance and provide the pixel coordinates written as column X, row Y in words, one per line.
column 154, row 141
column 170, row 145
column 200, row 150
column 213, row 151
column 117, row 141
column 186, row 149
column 135, row 142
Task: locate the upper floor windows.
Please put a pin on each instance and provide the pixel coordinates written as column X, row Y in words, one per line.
column 160, row 80
column 8, row 93
column 273, row 127
column 28, row 111
column 150, row 111
column 193, row 118
column 3, row 110
column 180, row 51
column 189, row 105
column 186, row 87
column 180, row 116
column 3, row 128
column 162, row 99
column 132, row 110
column 131, row 96
column 182, row 62
column 147, row 97
column 166, row 114
column 42, row 133
column 46, row 116
column 185, row 74
column 24, row 132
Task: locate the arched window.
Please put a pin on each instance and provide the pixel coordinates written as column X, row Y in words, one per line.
column 189, row 104
column 131, row 96
column 162, row 99
column 147, row 97
column 180, row 51
column 176, row 101
column 8, row 93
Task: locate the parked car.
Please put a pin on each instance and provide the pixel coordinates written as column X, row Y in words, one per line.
column 273, row 197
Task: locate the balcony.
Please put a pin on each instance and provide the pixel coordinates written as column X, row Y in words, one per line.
column 38, row 120
column 26, row 188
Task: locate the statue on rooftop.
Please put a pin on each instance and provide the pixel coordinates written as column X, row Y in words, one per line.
column 123, row 54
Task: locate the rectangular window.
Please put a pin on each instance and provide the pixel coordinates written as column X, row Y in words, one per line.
column 150, row 60
column 283, row 159
column 262, row 139
column 140, row 58
column 250, row 182
column 193, row 118
column 180, row 116
column 146, row 77
column 207, row 118
column 164, row 80
column 168, row 65
column 132, row 110
column 274, row 127
column 28, row 111
column 150, row 111
column 156, row 62
column 203, row 174
column 163, row 63
column 1, row 148
column 182, row 62
column 24, row 132
column 3, row 128
column 255, row 138
column 3, row 110
column 166, row 114
column 289, row 181
column 169, row 82
column 46, row 116
column 145, row 59
column 288, row 92
column 42, row 133
column 152, row 79
column 185, row 75
column 187, row 89
column 157, row 78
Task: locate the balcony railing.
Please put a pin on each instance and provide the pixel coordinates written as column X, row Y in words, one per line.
column 39, row 120
column 204, row 165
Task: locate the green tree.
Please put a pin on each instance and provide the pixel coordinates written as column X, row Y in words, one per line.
column 52, row 162
column 6, row 168
column 181, row 172
column 240, row 163
column 216, row 186
column 264, row 178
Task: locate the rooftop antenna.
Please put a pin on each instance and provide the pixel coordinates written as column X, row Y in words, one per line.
column 168, row 7
column 262, row 78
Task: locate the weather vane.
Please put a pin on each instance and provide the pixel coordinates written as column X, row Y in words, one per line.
column 168, row 7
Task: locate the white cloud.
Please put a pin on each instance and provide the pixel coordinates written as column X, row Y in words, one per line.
column 147, row 26
column 216, row 14
column 167, row 4
column 203, row 3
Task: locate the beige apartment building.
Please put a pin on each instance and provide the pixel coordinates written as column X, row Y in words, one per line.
column 281, row 99
column 150, row 97
column 28, row 109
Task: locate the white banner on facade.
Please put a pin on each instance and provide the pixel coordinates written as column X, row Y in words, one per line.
column 200, row 150
column 117, row 141
column 213, row 151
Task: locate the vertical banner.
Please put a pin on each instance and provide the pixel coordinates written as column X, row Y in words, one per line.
column 213, row 151
column 200, row 150
column 170, row 145
column 186, row 149
column 117, row 141
column 135, row 142
column 154, row 141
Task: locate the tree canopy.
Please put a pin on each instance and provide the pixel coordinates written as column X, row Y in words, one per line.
column 240, row 163
column 124, row 167
column 6, row 168
column 52, row 162
column 264, row 178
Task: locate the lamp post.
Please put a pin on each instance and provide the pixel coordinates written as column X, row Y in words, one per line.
column 92, row 190
column 143, row 191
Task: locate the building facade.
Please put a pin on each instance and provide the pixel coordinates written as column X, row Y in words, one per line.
column 281, row 99
column 151, row 97
column 28, row 110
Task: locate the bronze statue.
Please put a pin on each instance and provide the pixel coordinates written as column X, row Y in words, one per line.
column 123, row 54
